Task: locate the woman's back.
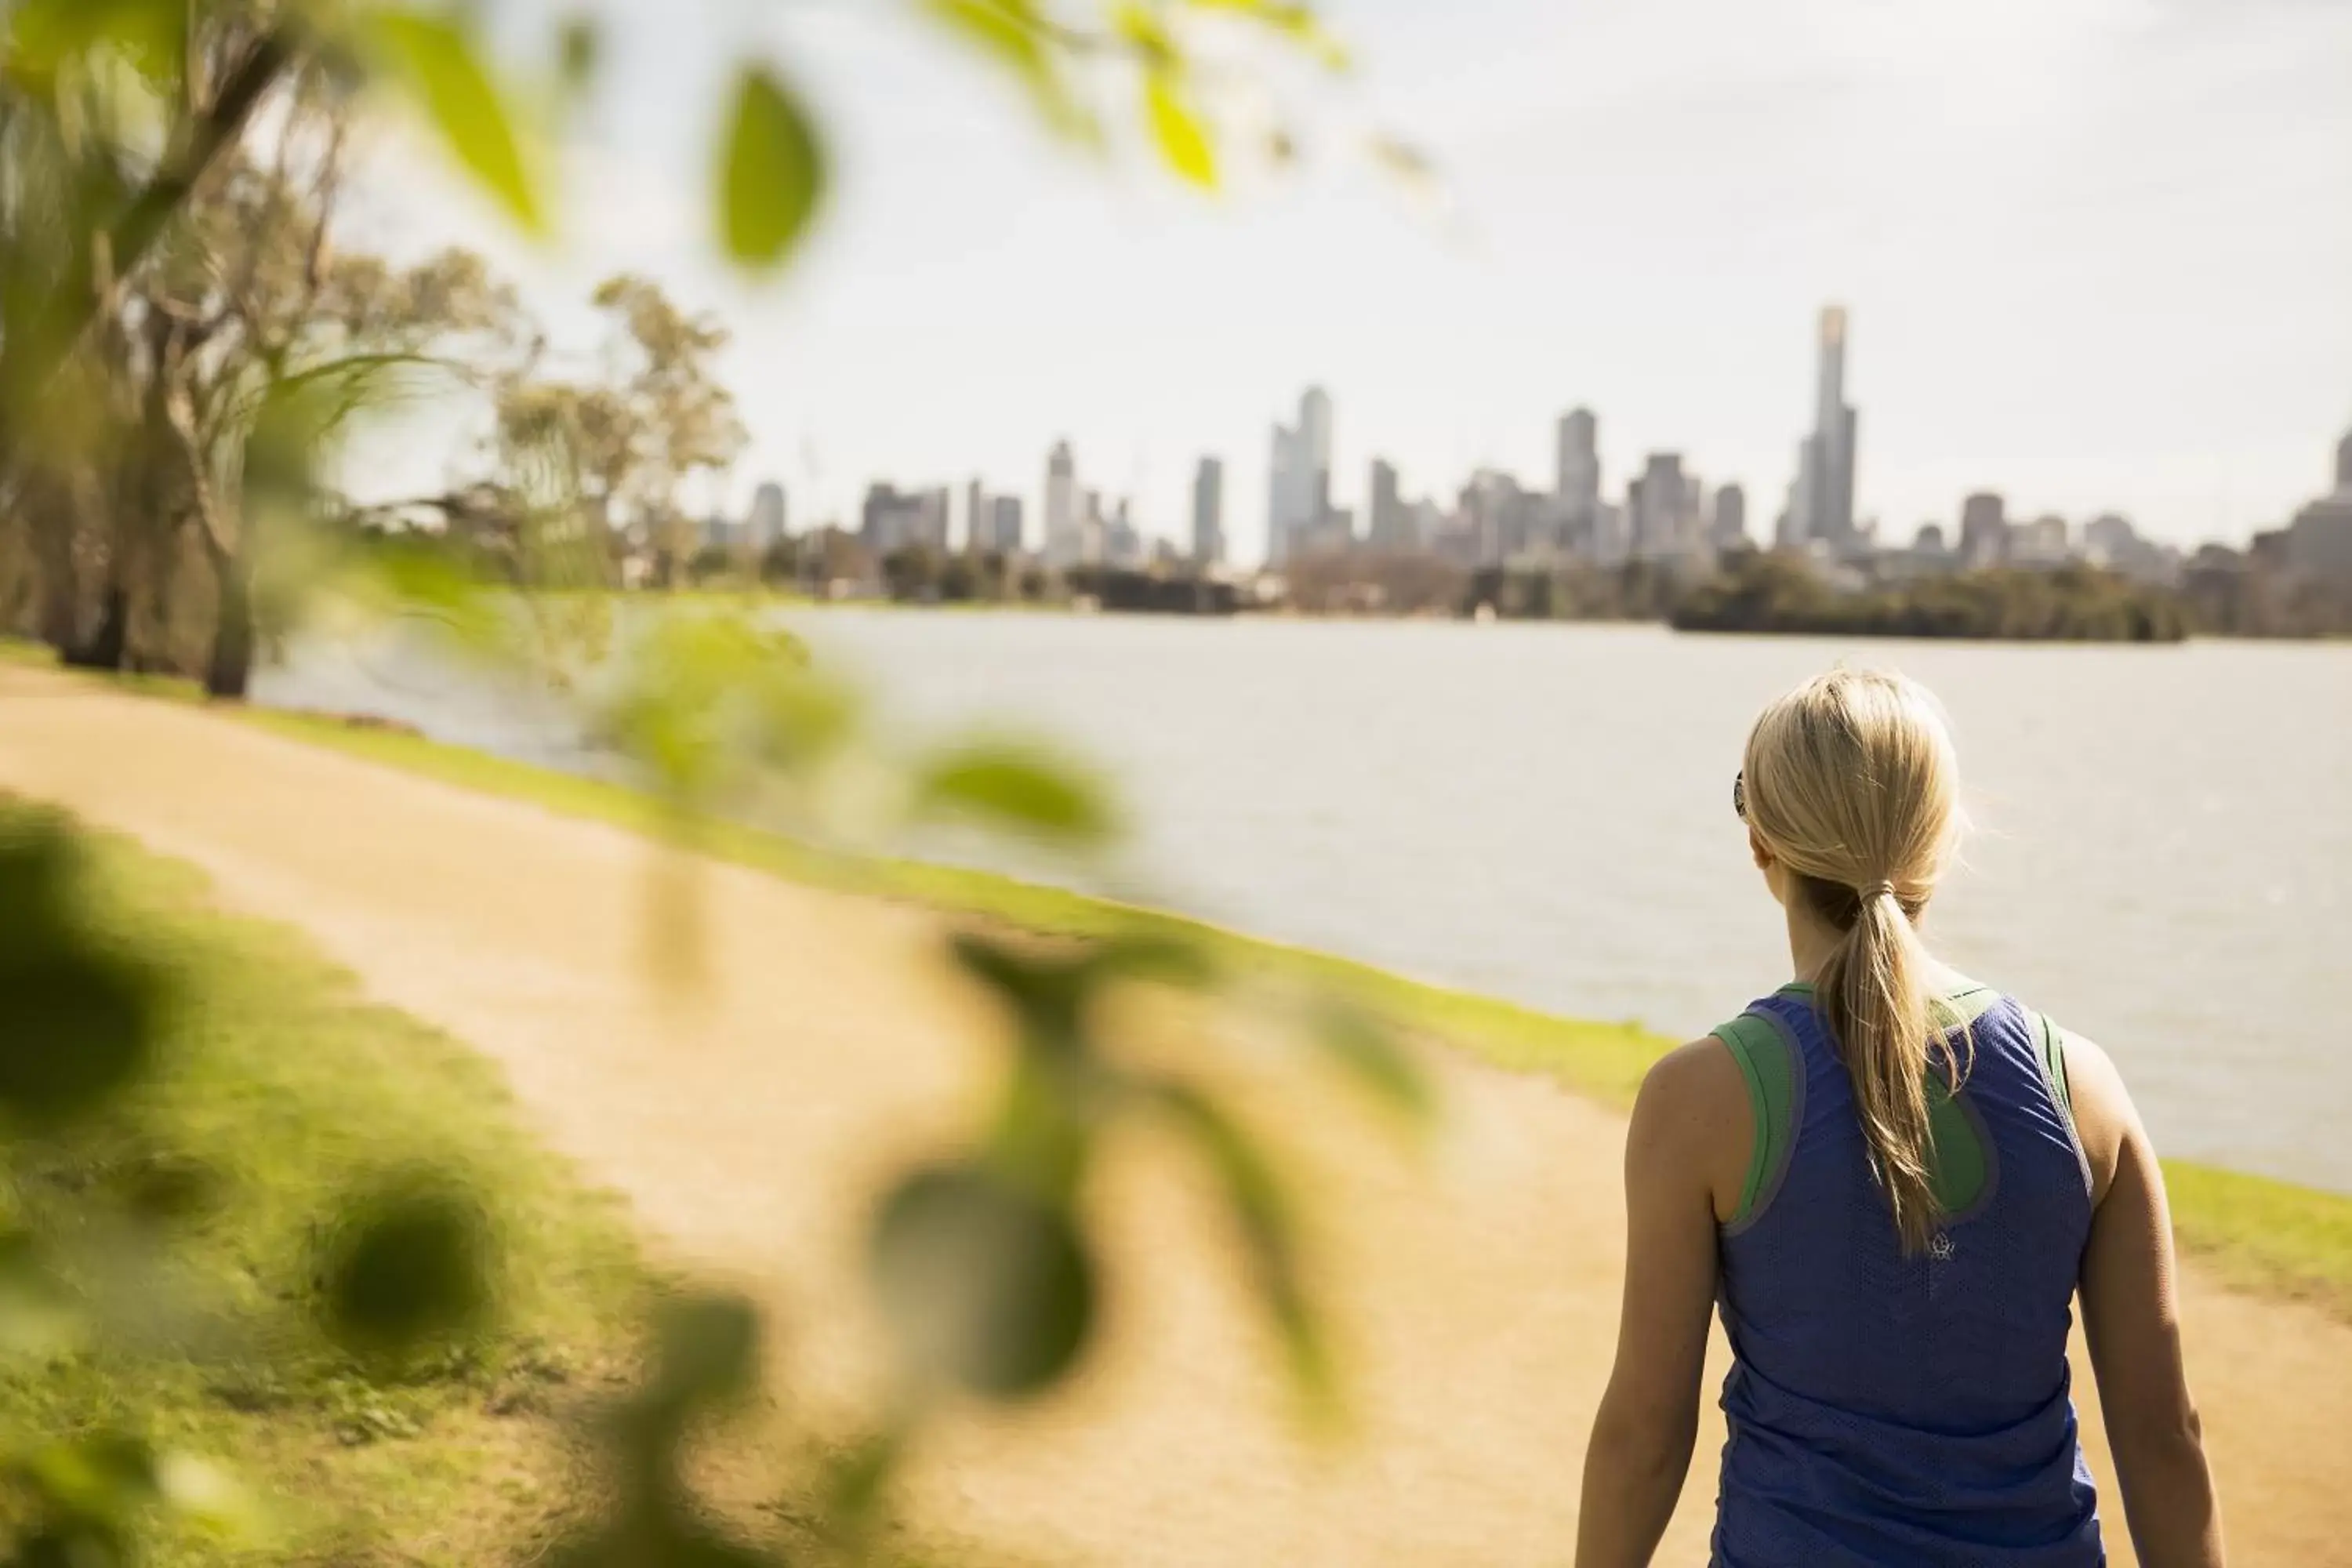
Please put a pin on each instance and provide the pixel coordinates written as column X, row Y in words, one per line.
column 1887, row 1408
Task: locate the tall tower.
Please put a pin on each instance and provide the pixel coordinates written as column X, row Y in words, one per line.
column 1579, row 460
column 769, row 524
column 1065, row 542
column 1827, row 467
column 2343, row 464
column 1298, row 475
column 1209, row 513
column 1281, row 485
column 1315, row 451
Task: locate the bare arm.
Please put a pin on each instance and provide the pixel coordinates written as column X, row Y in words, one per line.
column 2131, row 1320
column 1691, row 1124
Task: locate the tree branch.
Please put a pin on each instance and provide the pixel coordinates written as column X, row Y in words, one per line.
column 81, row 293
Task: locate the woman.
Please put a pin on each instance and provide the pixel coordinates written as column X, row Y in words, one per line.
column 1894, row 1182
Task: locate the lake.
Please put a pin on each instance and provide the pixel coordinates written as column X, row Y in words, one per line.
column 2161, row 856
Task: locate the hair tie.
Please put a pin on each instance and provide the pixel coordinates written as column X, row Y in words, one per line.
column 1878, row 890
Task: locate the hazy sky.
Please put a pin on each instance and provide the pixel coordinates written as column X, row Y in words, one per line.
column 2098, row 254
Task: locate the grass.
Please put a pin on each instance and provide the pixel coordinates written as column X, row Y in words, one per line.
column 2257, row 1234
column 284, row 1085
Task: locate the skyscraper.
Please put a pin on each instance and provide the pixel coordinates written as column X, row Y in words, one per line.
column 1391, row 525
column 1730, row 529
column 1579, row 474
column 1984, row 529
column 1822, row 508
column 1209, row 513
column 1004, row 525
column 1298, row 476
column 2344, row 465
column 1660, row 503
column 768, row 523
column 975, row 517
column 1064, row 529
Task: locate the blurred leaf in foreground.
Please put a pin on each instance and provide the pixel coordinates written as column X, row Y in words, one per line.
column 434, row 58
column 987, row 1286
column 1363, row 1046
column 77, row 1020
column 1260, row 1209
column 1022, row 789
column 772, row 171
column 407, row 1264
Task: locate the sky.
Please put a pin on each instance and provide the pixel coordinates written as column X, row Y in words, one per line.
column 2097, row 254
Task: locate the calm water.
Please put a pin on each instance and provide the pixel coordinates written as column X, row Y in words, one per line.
column 2162, row 860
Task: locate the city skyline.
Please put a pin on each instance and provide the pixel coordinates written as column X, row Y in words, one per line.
column 2096, row 246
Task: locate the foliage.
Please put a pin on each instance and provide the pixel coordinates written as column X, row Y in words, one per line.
column 177, row 326
column 1765, row 592
column 175, row 1234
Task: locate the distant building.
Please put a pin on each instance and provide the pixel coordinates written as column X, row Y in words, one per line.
column 1821, row 504
column 893, row 518
column 1929, row 541
column 1661, row 508
column 768, row 523
column 1003, row 536
column 975, row 517
column 1298, row 475
column 1390, row 527
column 2043, row 543
column 1209, row 513
column 1578, row 471
column 1122, row 543
column 1729, row 529
column 1064, row 540
column 1984, row 531
column 2319, row 540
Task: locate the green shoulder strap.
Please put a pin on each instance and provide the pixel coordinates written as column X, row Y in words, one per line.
column 1768, row 1066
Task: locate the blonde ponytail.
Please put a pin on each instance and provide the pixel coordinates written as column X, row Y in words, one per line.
column 1851, row 783
column 1873, row 996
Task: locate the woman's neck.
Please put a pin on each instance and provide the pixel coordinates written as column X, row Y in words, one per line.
column 1813, row 942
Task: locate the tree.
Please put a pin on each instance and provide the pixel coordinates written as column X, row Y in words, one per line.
column 656, row 419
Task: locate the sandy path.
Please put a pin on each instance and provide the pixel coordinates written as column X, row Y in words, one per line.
column 1478, row 1283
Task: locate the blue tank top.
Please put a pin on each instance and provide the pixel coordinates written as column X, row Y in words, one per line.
column 1885, row 1409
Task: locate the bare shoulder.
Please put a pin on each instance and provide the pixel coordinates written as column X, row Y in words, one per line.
column 1696, row 1080
column 2104, row 1116
column 1693, row 1118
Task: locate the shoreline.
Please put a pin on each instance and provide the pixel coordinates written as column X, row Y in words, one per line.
column 2256, row 1232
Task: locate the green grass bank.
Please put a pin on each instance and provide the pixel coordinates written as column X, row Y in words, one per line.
column 2272, row 1236
column 287, row 1089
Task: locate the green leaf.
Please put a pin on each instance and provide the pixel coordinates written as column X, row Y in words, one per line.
column 1015, row 787
column 985, row 1284
column 1364, row 1046
column 434, row 58
column 1260, row 1209
column 1292, row 20
column 773, row 172
column 1184, row 139
column 42, row 35
column 407, row 1264
column 579, row 45
column 706, row 1349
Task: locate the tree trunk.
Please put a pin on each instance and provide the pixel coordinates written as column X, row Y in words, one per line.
column 231, row 670
column 105, row 647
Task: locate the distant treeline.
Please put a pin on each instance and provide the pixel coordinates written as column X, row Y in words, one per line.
column 2221, row 592
column 1760, row 593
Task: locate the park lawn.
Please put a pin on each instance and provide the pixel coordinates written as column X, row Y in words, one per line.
column 2260, row 1235
column 285, row 1085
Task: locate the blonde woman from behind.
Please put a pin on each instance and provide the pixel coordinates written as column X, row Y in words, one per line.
column 1894, row 1182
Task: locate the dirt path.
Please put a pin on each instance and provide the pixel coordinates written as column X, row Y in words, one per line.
column 1479, row 1284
